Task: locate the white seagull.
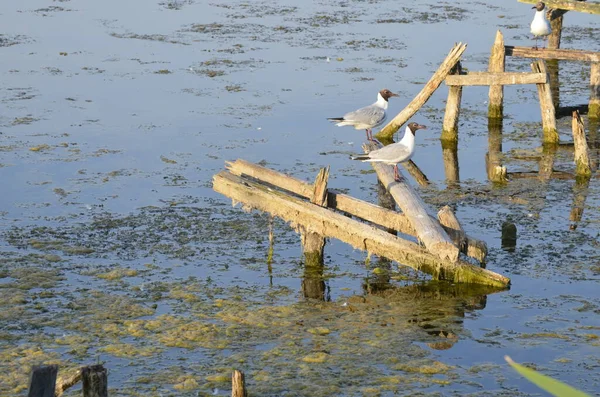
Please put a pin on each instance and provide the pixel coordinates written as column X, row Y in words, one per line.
column 395, row 153
column 540, row 26
column 368, row 117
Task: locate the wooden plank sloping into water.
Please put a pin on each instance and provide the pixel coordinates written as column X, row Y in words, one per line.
column 359, row 235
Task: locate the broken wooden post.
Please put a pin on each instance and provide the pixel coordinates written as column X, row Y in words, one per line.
column 313, row 243
column 450, row 125
column 493, row 159
column 438, row 77
column 555, row 16
column 583, row 167
column 95, row 381
column 509, row 236
column 496, row 64
column 430, row 233
column 416, row 173
column 546, row 105
column 238, row 384
column 456, row 233
column 43, row 381
column 594, row 108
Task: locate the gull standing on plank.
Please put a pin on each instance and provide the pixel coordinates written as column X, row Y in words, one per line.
column 395, row 153
column 540, row 26
column 368, row 117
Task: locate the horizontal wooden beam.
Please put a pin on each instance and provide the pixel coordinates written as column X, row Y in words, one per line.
column 342, row 202
column 590, row 8
column 358, row 234
column 496, row 78
column 548, row 53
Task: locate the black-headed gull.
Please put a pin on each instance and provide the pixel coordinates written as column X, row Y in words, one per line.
column 540, row 26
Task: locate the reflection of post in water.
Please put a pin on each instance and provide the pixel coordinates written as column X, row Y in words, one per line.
column 509, row 236
column 379, row 279
column 493, row 158
column 385, row 200
column 313, row 284
column 450, row 155
column 271, row 249
column 580, row 192
column 546, row 164
column 594, row 142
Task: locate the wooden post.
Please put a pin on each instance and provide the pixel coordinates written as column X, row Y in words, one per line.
column 509, row 236
column 583, row 167
column 493, row 159
column 450, row 155
column 450, row 126
column 456, row 233
column 497, row 64
column 555, row 16
column 43, row 381
column 553, row 75
column 569, row 5
column 546, row 105
column 238, row 384
column 594, row 108
column 438, row 77
column 95, row 381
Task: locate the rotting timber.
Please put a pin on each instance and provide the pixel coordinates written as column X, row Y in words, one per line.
column 267, row 190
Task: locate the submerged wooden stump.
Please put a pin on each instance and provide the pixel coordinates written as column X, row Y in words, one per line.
column 95, row 381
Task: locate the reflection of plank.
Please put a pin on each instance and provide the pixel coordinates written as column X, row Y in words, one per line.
column 569, row 5
column 344, row 203
column 359, row 235
column 496, row 78
column 547, row 53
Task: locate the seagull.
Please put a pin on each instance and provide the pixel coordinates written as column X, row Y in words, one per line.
column 540, row 26
column 368, row 117
column 395, row 153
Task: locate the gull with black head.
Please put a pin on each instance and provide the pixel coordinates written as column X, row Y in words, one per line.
column 395, row 153
column 367, row 117
column 540, row 26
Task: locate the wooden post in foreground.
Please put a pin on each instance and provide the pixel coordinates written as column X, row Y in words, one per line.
column 238, row 384
column 594, row 108
column 497, row 64
column 450, row 126
column 438, row 77
column 582, row 158
column 43, row 381
column 313, row 243
column 95, row 381
column 546, row 105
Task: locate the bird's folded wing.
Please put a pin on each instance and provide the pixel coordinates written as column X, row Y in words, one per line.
column 368, row 115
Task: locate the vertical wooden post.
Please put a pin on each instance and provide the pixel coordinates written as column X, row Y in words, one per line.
column 556, row 22
column 238, row 384
column 493, row 159
column 497, row 64
column 450, row 126
column 313, row 243
column 95, row 381
column 582, row 159
column 509, row 236
column 546, row 105
column 594, row 108
column 43, row 381
column 453, row 227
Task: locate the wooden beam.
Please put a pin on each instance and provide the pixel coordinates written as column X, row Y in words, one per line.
column 430, row 233
column 547, row 53
column 350, row 231
column 422, row 97
column 491, row 78
column 569, row 5
column 342, row 202
column 496, row 64
column 546, row 105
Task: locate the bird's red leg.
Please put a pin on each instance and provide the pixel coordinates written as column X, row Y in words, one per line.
column 369, row 136
column 396, row 174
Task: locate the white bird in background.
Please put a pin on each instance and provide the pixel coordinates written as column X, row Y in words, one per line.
column 368, row 117
column 395, row 153
column 540, row 26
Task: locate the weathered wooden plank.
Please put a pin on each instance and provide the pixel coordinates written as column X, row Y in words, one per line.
column 496, row 64
column 583, row 166
column 490, row 78
column 548, row 53
column 350, row 231
column 546, row 104
column 569, row 5
column 238, row 384
column 422, row 97
column 430, row 233
column 43, row 381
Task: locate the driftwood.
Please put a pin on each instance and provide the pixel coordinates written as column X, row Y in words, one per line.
column 583, row 166
column 438, row 77
column 64, row 383
column 360, row 235
column 546, row 105
column 496, row 64
column 344, row 203
column 493, row 79
column 238, row 384
column 548, row 53
column 569, row 5
column 457, row 234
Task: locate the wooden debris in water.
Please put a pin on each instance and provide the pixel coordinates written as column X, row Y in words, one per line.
column 546, row 104
column 582, row 159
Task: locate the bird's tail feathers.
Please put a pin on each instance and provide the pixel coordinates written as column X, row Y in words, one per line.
column 360, row 157
column 335, row 118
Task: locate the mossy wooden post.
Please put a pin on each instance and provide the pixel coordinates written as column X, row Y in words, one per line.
column 546, row 105
column 95, row 381
column 583, row 166
column 43, row 381
column 313, row 243
column 497, row 64
column 555, row 16
column 450, row 125
column 594, row 108
column 423, row 96
column 493, row 159
column 238, row 384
